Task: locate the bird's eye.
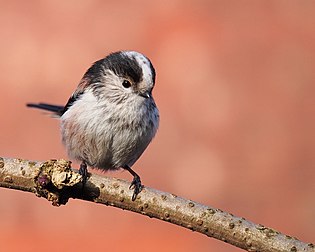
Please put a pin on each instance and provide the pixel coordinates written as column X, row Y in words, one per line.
column 126, row 84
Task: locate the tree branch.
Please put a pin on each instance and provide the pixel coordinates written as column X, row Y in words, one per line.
column 57, row 182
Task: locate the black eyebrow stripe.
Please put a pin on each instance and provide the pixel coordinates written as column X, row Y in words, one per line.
column 124, row 66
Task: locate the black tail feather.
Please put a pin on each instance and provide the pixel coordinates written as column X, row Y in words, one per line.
column 52, row 108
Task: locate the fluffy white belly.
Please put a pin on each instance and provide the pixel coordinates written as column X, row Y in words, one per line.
column 107, row 136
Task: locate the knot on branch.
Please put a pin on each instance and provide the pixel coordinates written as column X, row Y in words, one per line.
column 55, row 181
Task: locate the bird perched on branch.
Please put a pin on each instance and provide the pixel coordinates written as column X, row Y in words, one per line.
column 111, row 117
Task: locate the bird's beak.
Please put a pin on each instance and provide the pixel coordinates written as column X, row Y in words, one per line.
column 146, row 94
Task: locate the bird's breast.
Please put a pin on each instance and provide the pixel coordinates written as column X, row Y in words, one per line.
column 107, row 135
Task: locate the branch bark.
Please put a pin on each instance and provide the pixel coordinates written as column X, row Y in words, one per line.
column 57, row 182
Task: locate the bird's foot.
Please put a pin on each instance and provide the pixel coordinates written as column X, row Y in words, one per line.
column 83, row 172
column 136, row 186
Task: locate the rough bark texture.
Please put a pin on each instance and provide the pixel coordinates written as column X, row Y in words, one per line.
column 57, row 182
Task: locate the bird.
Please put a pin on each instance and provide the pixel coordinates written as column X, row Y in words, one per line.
column 111, row 117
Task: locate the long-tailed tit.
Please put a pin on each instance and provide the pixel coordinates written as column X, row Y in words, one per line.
column 111, row 117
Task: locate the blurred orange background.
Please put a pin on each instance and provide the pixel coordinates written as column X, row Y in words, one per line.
column 235, row 88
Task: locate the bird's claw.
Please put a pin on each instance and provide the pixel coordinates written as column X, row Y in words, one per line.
column 83, row 172
column 136, row 186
